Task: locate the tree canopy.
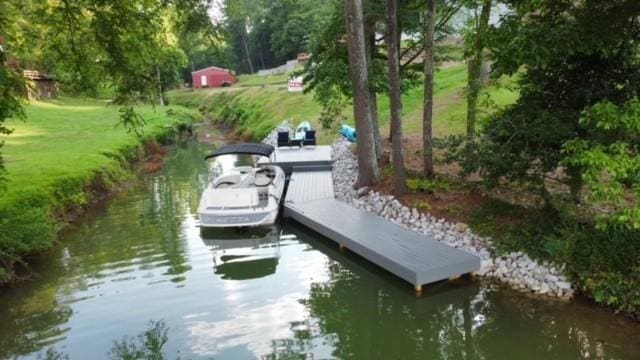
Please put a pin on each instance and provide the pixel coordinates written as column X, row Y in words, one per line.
column 577, row 64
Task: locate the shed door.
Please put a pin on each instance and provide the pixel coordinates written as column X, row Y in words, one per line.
column 203, row 80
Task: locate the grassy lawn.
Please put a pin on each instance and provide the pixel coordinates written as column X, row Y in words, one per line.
column 53, row 157
column 256, row 80
column 266, row 106
column 69, row 138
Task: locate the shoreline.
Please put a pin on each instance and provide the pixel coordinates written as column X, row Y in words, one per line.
column 515, row 269
column 102, row 185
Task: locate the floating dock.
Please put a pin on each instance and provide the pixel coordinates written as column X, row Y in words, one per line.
column 308, row 157
column 414, row 257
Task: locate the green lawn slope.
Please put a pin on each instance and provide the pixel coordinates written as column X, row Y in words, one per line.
column 58, row 156
column 254, row 105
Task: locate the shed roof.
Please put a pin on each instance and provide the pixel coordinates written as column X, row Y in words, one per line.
column 210, row 68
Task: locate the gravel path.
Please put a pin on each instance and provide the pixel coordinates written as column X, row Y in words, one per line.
column 515, row 269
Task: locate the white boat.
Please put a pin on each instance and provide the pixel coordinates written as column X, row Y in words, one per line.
column 244, row 195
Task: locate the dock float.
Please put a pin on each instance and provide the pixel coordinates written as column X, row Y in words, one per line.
column 417, row 258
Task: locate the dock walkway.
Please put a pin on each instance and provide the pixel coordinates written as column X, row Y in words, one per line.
column 414, row 257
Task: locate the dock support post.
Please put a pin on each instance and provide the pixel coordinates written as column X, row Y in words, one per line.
column 418, row 290
column 342, row 248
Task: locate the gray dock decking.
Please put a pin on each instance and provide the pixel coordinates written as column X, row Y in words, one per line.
column 409, row 255
column 307, row 186
column 414, row 257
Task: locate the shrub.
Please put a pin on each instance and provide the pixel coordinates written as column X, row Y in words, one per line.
column 428, row 185
column 605, row 264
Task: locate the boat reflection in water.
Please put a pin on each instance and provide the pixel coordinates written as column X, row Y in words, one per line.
column 243, row 254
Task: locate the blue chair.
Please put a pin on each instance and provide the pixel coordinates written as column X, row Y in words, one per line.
column 309, row 138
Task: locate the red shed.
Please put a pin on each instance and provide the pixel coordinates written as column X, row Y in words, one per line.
column 212, row 76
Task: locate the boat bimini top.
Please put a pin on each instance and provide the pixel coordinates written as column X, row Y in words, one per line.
column 244, row 149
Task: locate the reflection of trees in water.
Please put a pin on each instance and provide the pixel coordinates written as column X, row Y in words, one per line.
column 556, row 328
column 361, row 313
column 143, row 226
column 140, row 230
column 370, row 321
column 173, row 192
column 36, row 322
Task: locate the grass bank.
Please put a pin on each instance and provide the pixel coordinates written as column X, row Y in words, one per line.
column 255, row 105
column 67, row 152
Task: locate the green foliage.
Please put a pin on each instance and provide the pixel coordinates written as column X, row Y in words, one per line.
column 602, row 262
column 605, row 264
column 147, row 346
column 562, row 73
column 12, row 89
column 266, row 34
column 611, row 161
column 131, row 120
column 515, row 228
column 428, row 185
column 127, row 49
column 332, row 112
column 326, row 75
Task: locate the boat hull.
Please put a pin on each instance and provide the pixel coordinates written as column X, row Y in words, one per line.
column 238, row 219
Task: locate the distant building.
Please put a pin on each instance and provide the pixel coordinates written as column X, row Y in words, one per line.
column 303, row 58
column 40, row 85
column 212, row 77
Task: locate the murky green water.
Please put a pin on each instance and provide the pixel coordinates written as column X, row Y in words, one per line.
column 281, row 294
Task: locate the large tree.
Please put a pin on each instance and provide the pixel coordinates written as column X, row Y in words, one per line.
column 393, row 53
column 368, row 172
column 475, row 44
column 429, row 65
column 11, row 93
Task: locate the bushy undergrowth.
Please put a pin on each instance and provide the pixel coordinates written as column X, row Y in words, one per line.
column 603, row 263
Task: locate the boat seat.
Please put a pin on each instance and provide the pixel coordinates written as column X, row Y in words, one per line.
column 243, row 169
column 228, row 181
column 262, row 180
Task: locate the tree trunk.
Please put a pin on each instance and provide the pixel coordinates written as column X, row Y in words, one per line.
column 368, row 172
column 399, row 42
column 427, row 114
column 375, row 125
column 160, row 89
column 474, row 82
column 395, row 100
column 246, row 51
column 370, row 50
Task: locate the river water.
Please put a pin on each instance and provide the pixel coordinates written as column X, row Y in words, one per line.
column 276, row 294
